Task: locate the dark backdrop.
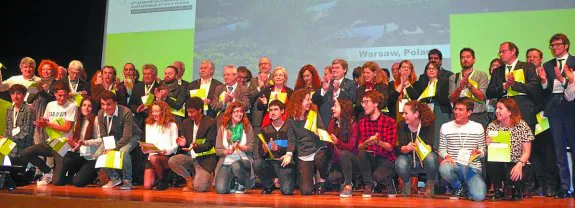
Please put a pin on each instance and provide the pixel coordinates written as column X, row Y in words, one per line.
column 58, row 30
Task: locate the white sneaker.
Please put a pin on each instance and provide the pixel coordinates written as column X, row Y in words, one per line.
column 112, row 184
column 45, row 180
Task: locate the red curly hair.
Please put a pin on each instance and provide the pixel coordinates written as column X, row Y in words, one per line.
column 426, row 116
column 294, row 106
column 166, row 116
column 315, row 80
column 52, row 64
column 227, row 117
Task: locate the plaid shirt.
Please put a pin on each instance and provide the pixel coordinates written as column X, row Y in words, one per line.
column 387, row 130
column 26, row 136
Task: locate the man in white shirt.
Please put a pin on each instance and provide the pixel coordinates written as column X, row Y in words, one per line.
column 62, row 111
column 207, row 82
column 27, row 67
column 461, row 144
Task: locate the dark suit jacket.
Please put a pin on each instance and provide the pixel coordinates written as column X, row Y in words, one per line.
column 207, row 129
column 443, row 73
column 348, row 91
column 412, row 92
column 267, row 93
column 194, row 85
column 441, row 93
column 180, row 94
column 257, row 115
column 551, row 105
column 123, row 126
column 83, row 85
column 185, row 84
column 532, row 89
column 136, row 101
column 99, row 89
column 241, row 95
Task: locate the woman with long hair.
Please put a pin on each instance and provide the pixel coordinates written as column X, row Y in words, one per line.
column 436, row 96
column 162, row 132
column 234, row 146
column 85, row 143
column 308, row 78
column 416, row 127
column 312, row 153
column 96, row 79
column 277, row 91
column 343, row 131
column 371, row 78
column 402, row 89
column 511, row 174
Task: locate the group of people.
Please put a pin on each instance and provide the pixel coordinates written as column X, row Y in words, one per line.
column 367, row 132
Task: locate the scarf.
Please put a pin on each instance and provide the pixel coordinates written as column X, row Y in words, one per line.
column 237, row 132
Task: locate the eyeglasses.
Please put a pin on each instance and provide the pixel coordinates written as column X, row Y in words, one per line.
column 365, row 101
column 553, row 45
column 503, row 51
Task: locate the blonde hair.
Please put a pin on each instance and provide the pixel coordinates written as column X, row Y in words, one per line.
column 282, row 70
column 75, row 64
column 29, row 61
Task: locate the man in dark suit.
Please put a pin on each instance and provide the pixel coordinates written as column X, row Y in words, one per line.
column 196, row 161
column 206, row 81
column 257, row 85
column 524, row 91
column 332, row 89
column 560, row 112
column 230, row 91
column 435, row 56
column 141, row 89
column 109, row 84
column 77, row 84
column 117, row 121
column 181, row 70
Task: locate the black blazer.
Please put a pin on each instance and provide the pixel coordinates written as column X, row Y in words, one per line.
column 136, row 101
column 179, row 93
column 441, row 93
column 99, row 89
column 267, row 92
column 532, row 89
column 207, row 129
column 551, row 104
column 194, row 85
column 83, row 85
column 304, row 140
column 348, row 91
column 412, row 91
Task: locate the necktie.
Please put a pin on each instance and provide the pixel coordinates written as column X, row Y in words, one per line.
column 109, row 120
column 561, row 66
column 507, row 71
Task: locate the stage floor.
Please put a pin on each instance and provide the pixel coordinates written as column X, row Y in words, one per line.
column 68, row 196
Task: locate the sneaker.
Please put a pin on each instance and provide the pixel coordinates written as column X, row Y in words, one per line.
column 391, row 190
column 45, row 180
column 367, row 191
column 112, row 184
column 457, row 193
column 234, row 187
column 346, row 191
column 240, row 189
column 126, row 185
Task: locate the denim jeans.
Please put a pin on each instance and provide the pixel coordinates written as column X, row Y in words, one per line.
column 126, row 167
column 239, row 169
column 267, row 170
column 185, row 166
column 455, row 174
column 404, row 166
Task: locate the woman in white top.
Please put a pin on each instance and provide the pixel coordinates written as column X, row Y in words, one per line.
column 234, row 145
column 84, row 143
column 161, row 132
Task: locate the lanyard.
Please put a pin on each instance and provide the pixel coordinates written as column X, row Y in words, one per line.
column 413, row 140
column 147, row 90
column 15, row 116
column 110, row 120
column 74, row 89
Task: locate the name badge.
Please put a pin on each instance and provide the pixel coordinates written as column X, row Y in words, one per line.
column 463, row 156
column 15, row 131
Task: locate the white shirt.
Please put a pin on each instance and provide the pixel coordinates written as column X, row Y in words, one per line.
column 163, row 138
column 67, row 112
column 558, row 87
column 336, row 91
column 90, row 146
column 205, row 84
column 19, row 79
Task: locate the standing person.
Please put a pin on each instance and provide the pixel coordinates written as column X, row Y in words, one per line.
column 543, row 151
column 491, row 103
column 436, row 97
column 343, row 131
column 181, row 70
column 376, row 139
column 109, row 84
column 198, row 162
column 117, row 121
column 333, row 88
column 141, row 89
column 206, row 82
column 96, row 79
column 244, row 76
column 162, row 132
column 512, row 174
column 19, row 128
column 461, row 145
column 47, row 71
column 257, row 85
column 274, row 92
column 234, row 146
column 171, row 92
column 470, row 83
column 436, row 57
column 78, row 84
column 85, row 140
column 27, row 66
column 523, row 87
column 61, row 108
column 130, row 80
column 417, row 126
column 308, row 77
column 312, row 153
column 559, row 111
column 230, row 91
column 372, row 78
column 403, row 89
column 268, row 153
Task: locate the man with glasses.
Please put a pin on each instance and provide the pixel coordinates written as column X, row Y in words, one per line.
column 257, row 84
column 558, row 109
column 244, row 76
column 435, row 56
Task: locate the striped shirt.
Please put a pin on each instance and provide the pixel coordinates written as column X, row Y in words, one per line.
column 454, row 137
